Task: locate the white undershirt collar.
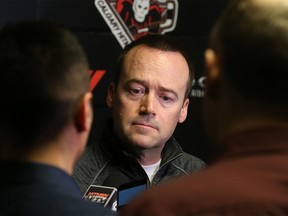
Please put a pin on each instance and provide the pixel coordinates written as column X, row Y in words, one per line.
column 152, row 169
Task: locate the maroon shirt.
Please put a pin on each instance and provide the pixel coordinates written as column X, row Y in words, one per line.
column 249, row 178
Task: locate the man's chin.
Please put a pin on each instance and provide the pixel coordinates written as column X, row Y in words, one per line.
column 142, row 142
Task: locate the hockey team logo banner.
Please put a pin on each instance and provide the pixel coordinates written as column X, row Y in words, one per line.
column 132, row 19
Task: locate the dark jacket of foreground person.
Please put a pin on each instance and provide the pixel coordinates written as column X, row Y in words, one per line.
column 250, row 178
column 38, row 189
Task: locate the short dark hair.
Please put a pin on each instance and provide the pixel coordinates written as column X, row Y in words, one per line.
column 43, row 73
column 252, row 40
column 159, row 42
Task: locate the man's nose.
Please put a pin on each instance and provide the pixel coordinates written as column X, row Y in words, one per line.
column 148, row 104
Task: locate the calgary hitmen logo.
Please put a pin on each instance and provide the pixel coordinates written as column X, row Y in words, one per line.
column 132, row 19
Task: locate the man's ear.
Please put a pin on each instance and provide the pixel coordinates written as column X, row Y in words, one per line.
column 110, row 94
column 212, row 69
column 184, row 111
column 84, row 115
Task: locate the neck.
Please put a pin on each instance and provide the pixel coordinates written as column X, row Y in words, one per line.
column 238, row 116
column 150, row 156
column 253, row 122
column 51, row 154
column 60, row 153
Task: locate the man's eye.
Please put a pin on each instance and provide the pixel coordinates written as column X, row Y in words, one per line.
column 136, row 91
column 166, row 99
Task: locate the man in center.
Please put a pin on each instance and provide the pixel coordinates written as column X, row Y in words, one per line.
column 148, row 97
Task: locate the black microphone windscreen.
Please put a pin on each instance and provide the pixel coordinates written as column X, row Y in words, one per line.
column 115, row 179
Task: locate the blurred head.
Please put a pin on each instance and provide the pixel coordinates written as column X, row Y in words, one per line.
column 43, row 79
column 149, row 96
column 248, row 57
column 252, row 39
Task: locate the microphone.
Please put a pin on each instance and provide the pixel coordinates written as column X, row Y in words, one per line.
column 115, row 179
column 106, row 194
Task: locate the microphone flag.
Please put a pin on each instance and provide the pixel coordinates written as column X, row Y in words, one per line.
column 103, row 195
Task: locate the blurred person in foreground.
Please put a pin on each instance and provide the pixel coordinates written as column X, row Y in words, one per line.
column 46, row 116
column 148, row 97
column 246, row 114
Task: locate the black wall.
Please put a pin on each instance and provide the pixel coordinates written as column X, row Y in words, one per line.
column 195, row 19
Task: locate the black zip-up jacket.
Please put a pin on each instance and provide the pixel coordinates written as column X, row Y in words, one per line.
column 108, row 162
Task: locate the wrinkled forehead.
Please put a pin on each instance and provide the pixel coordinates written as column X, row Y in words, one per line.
column 271, row 3
column 149, row 56
column 264, row 4
column 157, row 67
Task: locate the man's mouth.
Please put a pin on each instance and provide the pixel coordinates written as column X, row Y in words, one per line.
column 143, row 124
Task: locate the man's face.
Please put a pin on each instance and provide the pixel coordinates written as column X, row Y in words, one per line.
column 149, row 99
column 141, row 9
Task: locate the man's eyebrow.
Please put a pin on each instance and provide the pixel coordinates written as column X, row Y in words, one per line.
column 142, row 82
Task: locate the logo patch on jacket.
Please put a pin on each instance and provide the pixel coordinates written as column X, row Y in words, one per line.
column 132, row 19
